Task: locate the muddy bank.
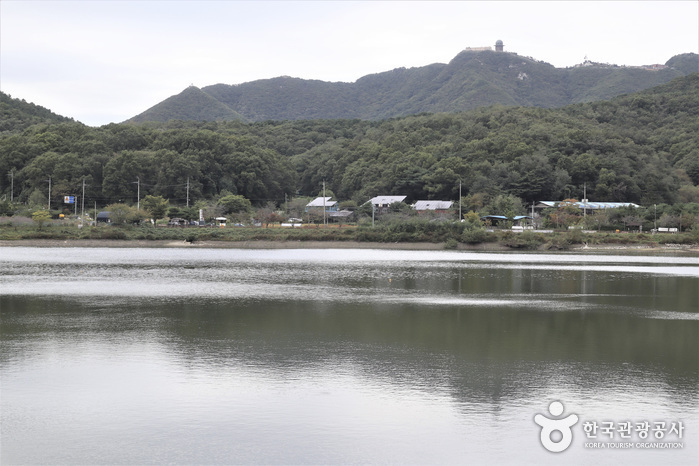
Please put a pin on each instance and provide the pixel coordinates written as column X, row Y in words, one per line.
column 99, row 243
column 496, row 247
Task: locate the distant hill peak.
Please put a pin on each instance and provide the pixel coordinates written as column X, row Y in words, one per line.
column 475, row 77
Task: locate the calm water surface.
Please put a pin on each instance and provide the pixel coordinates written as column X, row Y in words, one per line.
column 224, row 356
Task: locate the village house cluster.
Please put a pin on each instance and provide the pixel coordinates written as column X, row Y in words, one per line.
column 382, row 205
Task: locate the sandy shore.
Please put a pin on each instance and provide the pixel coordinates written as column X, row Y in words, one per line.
column 98, row 243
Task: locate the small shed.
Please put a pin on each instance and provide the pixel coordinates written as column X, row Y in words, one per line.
column 341, row 216
column 104, row 217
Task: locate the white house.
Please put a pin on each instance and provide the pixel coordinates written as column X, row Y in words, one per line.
column 318, row 203
column 381, row 203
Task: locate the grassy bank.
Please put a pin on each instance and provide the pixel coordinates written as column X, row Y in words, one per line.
column 449, row 235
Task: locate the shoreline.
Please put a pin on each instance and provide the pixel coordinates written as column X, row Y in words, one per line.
column 264, row 244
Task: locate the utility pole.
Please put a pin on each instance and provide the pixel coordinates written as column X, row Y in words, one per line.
column 460, row 217
column 82, row 204
column 49, row 180
column 187, row 192
column 12, row 186
column 324, row 212
column 138, row 192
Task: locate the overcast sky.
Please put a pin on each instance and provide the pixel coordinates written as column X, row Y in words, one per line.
column 105, row 61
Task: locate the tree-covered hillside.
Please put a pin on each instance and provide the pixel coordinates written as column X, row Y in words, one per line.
column 471, row 80
column 192, row 104
column 18, row 114
column 641, row 148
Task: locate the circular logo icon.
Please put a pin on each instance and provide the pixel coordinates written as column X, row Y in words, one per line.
column 562, row 425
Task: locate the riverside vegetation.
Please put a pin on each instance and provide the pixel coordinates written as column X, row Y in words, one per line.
column 391, row 229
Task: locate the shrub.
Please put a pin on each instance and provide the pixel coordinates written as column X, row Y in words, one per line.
column 575, row 236
column 476, row 236
column 41, row 217
column 451, row 243
column 524, row 240
column 558, row 242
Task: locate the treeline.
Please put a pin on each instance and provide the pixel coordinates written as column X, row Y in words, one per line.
column 641, row 148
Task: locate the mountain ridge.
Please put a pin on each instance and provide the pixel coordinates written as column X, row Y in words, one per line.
column 470, row 80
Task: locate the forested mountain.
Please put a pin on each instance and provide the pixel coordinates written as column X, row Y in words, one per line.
column 16, row 114
column 472, row 79
column 192, row 104
column 641, row 147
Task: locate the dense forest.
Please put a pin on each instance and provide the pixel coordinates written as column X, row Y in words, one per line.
column 641, row 148
column 16, row 115
column 471, row 80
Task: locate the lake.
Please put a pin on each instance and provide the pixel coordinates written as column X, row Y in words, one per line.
column 239, row 356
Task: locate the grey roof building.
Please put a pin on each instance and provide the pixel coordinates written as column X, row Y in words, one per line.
column 432, row 205
column 587, row 205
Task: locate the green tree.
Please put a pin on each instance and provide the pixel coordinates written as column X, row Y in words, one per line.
column 40, row 217
column 234, row 203
column 156, row 206
column 474, row 202
column 123, row 172
column 565, row 214
column 474, row 229
column 268, row 214
column 37, row 198
column 296, row 207
column 535, row 178
column 585, row 169
column 505, row 204
column 122, row 214
column 7, row 208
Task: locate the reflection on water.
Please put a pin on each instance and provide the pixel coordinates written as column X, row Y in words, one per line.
column 125, row 356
